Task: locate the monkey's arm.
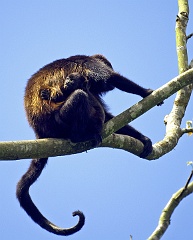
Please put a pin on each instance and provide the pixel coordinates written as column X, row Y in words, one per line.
column 129, row 86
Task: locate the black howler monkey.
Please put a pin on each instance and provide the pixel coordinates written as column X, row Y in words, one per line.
column 81, row 115
column 63, row 100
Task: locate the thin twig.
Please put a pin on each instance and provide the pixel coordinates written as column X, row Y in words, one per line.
column 185, row 187
column 189, row 36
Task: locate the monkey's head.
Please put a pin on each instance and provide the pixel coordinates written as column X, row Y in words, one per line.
column 75, row 81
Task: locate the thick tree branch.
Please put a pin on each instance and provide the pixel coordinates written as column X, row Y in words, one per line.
column 149, row 102
column 56, row 147
column 173, row 130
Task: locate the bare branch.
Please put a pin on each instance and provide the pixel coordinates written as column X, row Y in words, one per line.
column 189, row 36
column 56, row 147
column 149, row 102
column 167, row 212
column 173, row 130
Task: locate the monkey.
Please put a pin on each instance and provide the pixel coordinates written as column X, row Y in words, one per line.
column 64, row 100
column 89, row 110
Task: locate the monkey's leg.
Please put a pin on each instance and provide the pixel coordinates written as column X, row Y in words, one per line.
column 76, row 113
column 130, row 131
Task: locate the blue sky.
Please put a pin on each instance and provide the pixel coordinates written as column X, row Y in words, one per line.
column 119, row 193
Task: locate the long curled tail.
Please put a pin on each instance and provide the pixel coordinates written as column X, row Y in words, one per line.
column 22, row 193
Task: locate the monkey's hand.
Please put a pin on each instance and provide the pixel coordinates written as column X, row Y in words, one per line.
column 45, row 94
column 54, row 96
column 148, row 92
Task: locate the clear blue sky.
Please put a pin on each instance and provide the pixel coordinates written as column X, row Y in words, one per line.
column 119, row 193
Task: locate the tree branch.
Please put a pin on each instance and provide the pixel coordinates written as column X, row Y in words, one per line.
column 173, row 130
column 164, row 220
column 15, row 150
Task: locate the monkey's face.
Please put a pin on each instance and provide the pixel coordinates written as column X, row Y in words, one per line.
column 75, row 81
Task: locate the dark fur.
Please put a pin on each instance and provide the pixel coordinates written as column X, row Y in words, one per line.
column 63, row 100
column 81, row 115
